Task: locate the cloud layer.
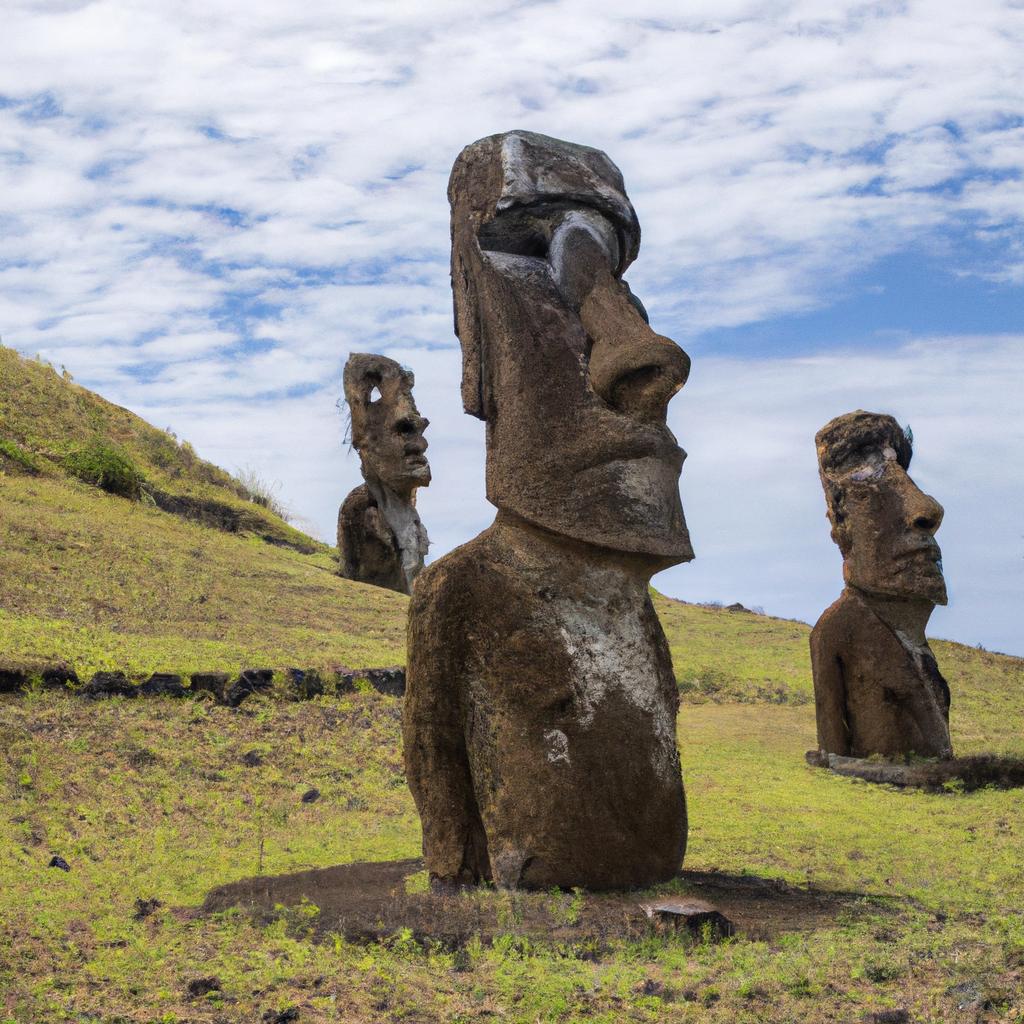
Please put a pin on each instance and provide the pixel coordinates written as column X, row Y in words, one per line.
column 205, row 209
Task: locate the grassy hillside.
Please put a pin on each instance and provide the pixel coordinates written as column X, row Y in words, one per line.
column 161, row 800
column 52, row 427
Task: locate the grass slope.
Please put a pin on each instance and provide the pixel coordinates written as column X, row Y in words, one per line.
column 153, row 800
column 49, row 425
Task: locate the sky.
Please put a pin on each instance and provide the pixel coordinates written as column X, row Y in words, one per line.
column 205, row 207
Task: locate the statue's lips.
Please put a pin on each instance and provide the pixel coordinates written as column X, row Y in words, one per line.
column 662, row 448
column 927, row 552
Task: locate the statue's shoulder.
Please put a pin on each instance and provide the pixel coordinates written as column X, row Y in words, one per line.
column 473, row 579
column 843, row 622
column 359, row 499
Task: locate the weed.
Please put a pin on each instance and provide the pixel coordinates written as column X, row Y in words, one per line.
column 104, row 466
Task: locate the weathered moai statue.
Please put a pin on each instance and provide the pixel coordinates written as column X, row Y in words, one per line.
column 380, row 537
column 877, row 688
column 540, row 715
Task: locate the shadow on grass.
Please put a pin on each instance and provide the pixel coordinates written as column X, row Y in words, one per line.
column 369, row 902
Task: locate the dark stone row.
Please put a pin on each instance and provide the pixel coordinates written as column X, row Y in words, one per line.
column 225, row 688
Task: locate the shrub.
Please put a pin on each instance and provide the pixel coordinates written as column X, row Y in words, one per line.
column 102, row 465
column 12, row 451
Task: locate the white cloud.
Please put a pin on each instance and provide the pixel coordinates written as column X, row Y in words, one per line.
column 179, row 179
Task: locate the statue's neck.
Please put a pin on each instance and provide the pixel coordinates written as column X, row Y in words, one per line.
column 386, row 495
column 572, row 557
column 903, row 615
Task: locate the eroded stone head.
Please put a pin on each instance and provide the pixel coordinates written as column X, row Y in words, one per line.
column 387, row 429
column 883, row 523
column 558, row 356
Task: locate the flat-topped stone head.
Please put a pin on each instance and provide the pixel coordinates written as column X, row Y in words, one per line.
column 558, row 356
column 387, row 429
column 883, row 523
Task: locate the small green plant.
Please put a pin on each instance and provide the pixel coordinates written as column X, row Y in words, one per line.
column 13, row 452
column 104, row 466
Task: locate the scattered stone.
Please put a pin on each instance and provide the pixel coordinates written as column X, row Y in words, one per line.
column 252, row 758
column 311, row 796
column 210, row 682
column 59, row 862
column 198, row 987
column 162, row 684
column 252, row 680
column 13, row 679
column 109, row 684
column 877, row 686
column 968, row 995
column 650, row 987
column 389, row 681
column 59, row 675
column 143, row 908
column 696, row 916
column 899, row 1016
column 538, row 754
column 380, row 537
column 304, row 684
column 281, row 1016
column 964, row 774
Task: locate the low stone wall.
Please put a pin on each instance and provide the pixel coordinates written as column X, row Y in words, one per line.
column 223, row 687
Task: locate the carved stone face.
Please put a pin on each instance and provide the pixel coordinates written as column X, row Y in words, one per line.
column 884, row 525
column 387, row 429
column 558, row 356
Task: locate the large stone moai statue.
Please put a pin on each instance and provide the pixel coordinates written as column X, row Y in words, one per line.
column 877, row 688
column 380, row 537
column 540, row 714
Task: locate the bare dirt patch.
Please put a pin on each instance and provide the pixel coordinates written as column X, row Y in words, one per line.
column 368, row 902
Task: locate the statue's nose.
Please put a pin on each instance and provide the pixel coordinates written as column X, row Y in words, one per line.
column 921, row 511
column 632, row 367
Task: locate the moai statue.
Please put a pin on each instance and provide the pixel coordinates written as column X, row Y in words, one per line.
column 540, row 713
column 380, row 537
column 877, row 688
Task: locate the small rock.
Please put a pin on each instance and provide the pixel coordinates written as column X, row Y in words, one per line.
column 59, row 862
column 281, row 1016
column 304, row 684
column 163, row 684
column 59, row 675
column 252, row 758
column 311, row 795
column 209, row 682
column 390, row 681
column 201, row 986
column 736, row 607
column 695, row 916
column 968, row 996
column 816, row 758
column 650, row 987
column 109, row 684
column 899, row 1016
column 12, row 679
column 143, row 908
column 252, row 680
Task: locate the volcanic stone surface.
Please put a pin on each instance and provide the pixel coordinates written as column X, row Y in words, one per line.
column 380, row 537
column 877, row 687
column 540, row 715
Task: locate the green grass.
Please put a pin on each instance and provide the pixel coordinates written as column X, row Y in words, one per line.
column 50, row 425
column 150, row 799
column 99, row 582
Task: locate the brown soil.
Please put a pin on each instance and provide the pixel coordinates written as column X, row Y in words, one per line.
column 369, row 902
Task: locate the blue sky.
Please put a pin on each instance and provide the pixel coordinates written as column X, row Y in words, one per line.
column 202, row 215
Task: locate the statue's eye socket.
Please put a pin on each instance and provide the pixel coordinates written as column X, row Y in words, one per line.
column 517, row 236
column 405, row 426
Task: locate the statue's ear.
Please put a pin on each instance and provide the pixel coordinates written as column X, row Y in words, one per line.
column 468, row 330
